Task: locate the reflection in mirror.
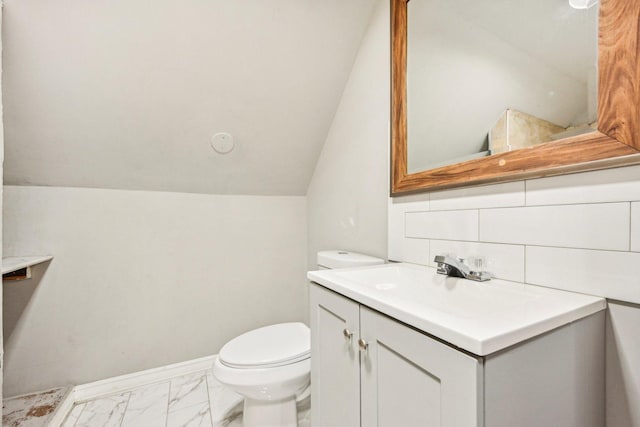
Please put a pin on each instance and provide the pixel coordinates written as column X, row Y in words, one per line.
column 485, row 77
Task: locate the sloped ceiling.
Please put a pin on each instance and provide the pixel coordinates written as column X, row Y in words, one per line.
column 126, row 94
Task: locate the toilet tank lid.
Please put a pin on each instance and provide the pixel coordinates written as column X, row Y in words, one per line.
column 344, row 259
column 269, row 346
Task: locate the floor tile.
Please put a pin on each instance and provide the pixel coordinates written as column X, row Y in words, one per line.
column 193, row 400
column 74, row 415
column 192, row 416
column 187, row 391
column 104, row 412
column 147, row 406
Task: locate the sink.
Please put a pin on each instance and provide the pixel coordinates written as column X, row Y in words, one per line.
column 479, row 317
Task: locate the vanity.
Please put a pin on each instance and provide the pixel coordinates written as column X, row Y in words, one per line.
column 400, row 345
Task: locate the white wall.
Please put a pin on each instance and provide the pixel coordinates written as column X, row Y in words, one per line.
column 347, row 197
column 143, row 279
column 577, row 232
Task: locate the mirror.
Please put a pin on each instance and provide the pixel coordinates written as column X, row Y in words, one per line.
column 509, row 89
column 478, row 68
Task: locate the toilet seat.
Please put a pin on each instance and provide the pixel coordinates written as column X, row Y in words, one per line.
column 268, row 347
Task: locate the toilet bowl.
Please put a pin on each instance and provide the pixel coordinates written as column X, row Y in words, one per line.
column 270, row 367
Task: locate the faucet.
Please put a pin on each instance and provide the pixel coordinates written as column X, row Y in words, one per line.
column 455, row 267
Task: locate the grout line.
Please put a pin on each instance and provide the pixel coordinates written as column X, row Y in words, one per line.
column 125, row 408
column 84, row 406
column 471, row 208
column 552, row 205
column 524, row 264
column 630, row 223
column 404, row 223
column 622, row 251
column 548, row 205
column 523, row 244
column 194, row 387
column 206, row 381
column 166, row 419
column 479, row 242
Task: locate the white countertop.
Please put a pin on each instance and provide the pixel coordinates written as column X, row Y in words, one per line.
column 480, row 317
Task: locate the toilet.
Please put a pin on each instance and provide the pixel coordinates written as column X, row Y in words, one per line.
column 271, row 366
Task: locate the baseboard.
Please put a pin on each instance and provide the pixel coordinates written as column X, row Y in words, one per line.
column 130, row 381
column 126, row 382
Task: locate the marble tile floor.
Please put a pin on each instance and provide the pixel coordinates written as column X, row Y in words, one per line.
column 32, row 410
column 191, row 400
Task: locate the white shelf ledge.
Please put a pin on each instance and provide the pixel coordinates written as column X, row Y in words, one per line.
column 14, row 263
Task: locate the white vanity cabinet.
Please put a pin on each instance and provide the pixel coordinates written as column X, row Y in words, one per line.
column 335, row 359
column 408, row 379
column 373, row 371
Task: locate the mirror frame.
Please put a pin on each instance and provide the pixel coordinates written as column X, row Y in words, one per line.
column 615, row 143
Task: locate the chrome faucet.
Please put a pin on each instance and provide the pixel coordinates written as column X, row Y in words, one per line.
column 455, row 267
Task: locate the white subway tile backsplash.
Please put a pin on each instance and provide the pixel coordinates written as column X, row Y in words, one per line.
column 488, row 196
column 415, row 251
column 635, row 227
column 597, row 226
column 610, row 185
column 504, row 261
column 401, row 248
column 603, row 273
column 578, row 232
column 444, row 225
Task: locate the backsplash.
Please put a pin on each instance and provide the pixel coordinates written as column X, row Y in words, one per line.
column 578, row 232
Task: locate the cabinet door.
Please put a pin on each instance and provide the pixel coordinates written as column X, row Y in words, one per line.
column 411, row 380
column 335, row 365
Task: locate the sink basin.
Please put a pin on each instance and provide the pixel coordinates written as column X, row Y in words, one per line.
column 479, row 317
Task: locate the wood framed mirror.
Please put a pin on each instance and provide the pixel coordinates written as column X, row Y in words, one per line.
column 616, row 141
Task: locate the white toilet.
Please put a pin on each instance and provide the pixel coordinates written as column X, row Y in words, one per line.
column 271, row 366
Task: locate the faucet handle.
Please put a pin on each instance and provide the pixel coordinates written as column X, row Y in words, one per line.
column 477, row 265
column 455, row 267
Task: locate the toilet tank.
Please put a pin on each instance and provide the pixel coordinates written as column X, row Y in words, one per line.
column 328, row 260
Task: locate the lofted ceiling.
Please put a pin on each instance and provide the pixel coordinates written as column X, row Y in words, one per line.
column 126, row 94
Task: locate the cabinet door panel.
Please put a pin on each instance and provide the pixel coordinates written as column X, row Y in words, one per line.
column 335, row 366
column 409, row 379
